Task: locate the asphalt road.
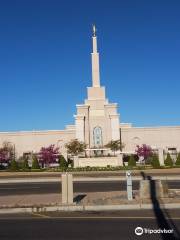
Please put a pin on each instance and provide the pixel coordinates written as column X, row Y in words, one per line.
column 83, row 187
column 90, row 226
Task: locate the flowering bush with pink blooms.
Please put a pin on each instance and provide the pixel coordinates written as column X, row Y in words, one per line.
column 144, row 151
column 48, row 155
column 4, row 156
column 6, row 153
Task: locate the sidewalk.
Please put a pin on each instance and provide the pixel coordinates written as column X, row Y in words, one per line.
column 97, row 201
column 84, row 179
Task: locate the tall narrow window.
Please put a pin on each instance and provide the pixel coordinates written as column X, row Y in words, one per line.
column 97, row 134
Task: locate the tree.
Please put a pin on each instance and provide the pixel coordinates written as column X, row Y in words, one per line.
column 144, row 151
column 155, row 161
column 75, row 147
column 63, row 164
column 25, row 165
column 14, row 165
column 6, row 153
column 48, row 155
column 115, row 145
column 4, row 158
column 35, row 163
column 132, row 161
column 168, row 161
column 178, row 160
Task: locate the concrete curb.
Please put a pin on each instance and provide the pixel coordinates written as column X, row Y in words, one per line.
column 85, row 208
column 84, row 179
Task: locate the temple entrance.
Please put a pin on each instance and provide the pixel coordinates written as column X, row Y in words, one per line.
column 97, row 135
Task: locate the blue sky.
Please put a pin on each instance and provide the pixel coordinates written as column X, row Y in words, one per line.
column 45, row 63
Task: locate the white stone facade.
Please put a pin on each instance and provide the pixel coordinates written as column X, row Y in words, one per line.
column 156, row 137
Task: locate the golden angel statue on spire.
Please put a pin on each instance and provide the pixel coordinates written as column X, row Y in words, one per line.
column 94, row 30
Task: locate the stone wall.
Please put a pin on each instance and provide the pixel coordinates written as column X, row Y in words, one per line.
column 32, row 141
column 98, row 161
column 156, row 137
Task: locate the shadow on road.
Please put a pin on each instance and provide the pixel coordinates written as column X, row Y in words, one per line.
column 77, row 199
column 162, row 217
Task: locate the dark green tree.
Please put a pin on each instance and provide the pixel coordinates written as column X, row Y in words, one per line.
column 132, row 161
column 14, row 165
column 168, row 161
column 178, row 160
column 155, row 161
column 25, row 165
column 35, row 163
column 63, row 164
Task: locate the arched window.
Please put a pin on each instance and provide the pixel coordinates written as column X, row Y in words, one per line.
column 97, row 134
column 136, row 140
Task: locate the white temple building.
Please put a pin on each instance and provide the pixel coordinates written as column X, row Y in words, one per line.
column 97, row 122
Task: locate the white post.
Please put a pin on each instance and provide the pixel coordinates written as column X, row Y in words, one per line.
column 67, row 188
column 70, row 188
column 64, row 189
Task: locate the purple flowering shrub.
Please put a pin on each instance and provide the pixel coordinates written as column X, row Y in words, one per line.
column 48, row 155
column 6, row 153
column 143, row 151
column 4, row 156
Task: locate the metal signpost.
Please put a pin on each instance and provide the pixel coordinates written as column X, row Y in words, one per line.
column 129, row 185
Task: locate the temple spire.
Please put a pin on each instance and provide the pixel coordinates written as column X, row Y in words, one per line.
column 95, row 61
column 94, row 30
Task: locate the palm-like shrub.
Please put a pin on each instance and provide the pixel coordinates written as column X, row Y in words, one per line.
column 115, row 145
column 75, row 147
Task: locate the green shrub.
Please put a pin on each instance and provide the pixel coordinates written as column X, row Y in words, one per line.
column 131, row 161
column 63, row 164
column 168, row 161
column 35, row 163
column 25, row 165
column 38, row 170
column 141, row 167
column 178, row 160
column 14, row 165
column 155, row 161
